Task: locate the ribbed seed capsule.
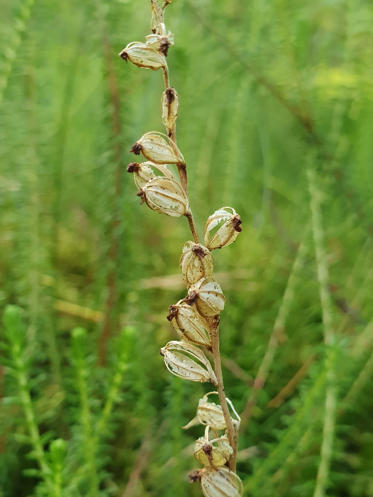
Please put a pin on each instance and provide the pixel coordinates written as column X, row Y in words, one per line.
column 196, row 262
column 189, row 325
column 212, row 452
column 142, row 55
column 170, row 105
column 207, row 296
column 144, row 172
column 164, row 195
column 188, row 362
column 160, row 43
column 222, row 228
column 220, row 483
column 211, row 414
column 158, row 148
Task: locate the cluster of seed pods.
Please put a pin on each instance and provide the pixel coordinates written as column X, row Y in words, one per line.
column 196, row 316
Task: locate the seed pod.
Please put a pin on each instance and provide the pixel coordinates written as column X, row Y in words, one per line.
column 143, row 55
column 220, row 483
column 144, row 172
column 189, row 325
column 170, row 105
column 207, row 296
column 212, row 452
column 158, row 148
column 165, row 195
column 160, row 43
column 196, row 262
column 222, row 228
column 187, row 361
column 211, row 414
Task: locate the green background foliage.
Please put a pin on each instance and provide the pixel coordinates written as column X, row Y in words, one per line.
column 268, row 89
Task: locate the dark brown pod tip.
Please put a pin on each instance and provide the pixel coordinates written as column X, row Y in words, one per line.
column 123, row 55
column 198, row 251
column 133, row 167
column 195, row 475
column 236, row 221
column 136, row 148
column 191, row 298
column 173, row 312
column 141, row 194
column 164, row 46
column 207, row 449
column 170, row 94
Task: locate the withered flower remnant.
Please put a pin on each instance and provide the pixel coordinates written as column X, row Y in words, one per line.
column 158, row 148
column 207, row 296
column 143, row 55
column 189, row 325
column 220, row 482
column 165, row 195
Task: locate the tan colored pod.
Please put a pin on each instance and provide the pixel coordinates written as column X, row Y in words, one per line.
column 207, row 296
column 158, row 148
column 170, row 106
column 188, row 362
column 189, row 325
column 214, row 452
column 144, row 172
column 143, row 55
column 221, row 482
column 211, row 414
column 164, row 195
column 196, row 262
column 222, row 228
column 159, row 42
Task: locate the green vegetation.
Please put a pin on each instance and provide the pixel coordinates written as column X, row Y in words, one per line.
column 276, row 99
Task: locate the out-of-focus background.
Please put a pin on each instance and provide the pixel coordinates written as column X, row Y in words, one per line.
column 269, row 89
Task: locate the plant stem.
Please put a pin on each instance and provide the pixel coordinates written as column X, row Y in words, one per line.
column 231, row 431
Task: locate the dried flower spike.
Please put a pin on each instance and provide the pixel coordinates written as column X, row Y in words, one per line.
column 220, row 483
column 188, row 362
column 222, row 228
column 196, row 262
column 158, row 148
column 207, row 296
column 164, row 195
column 189, row 325
column 142, row 55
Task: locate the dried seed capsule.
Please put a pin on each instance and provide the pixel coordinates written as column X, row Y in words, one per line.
column 187, row 361
column 142, row 55
column 144, row 172
column 189, row 325
column 207, row 296
column 170, row 105
column 160, row 43
column 165, row 195
column 211, row 414
column 220, row 483
column 196, row 262
column 222, row 228
column 212, row 452
column 158, row 148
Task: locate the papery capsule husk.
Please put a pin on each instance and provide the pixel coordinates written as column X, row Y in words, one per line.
column 165, row 195
column 160, row 43
column 211, row 414
column 220, row 482
column 196, row 262
column 170, row 106
column 189, row 325
column 207, row 296
column 158, row 148
column 222, row 228
column 142, row 55
column 212, row 452
column 146, row 171
column 188, row 362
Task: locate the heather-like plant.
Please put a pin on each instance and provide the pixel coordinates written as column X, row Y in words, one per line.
column 196, row 317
